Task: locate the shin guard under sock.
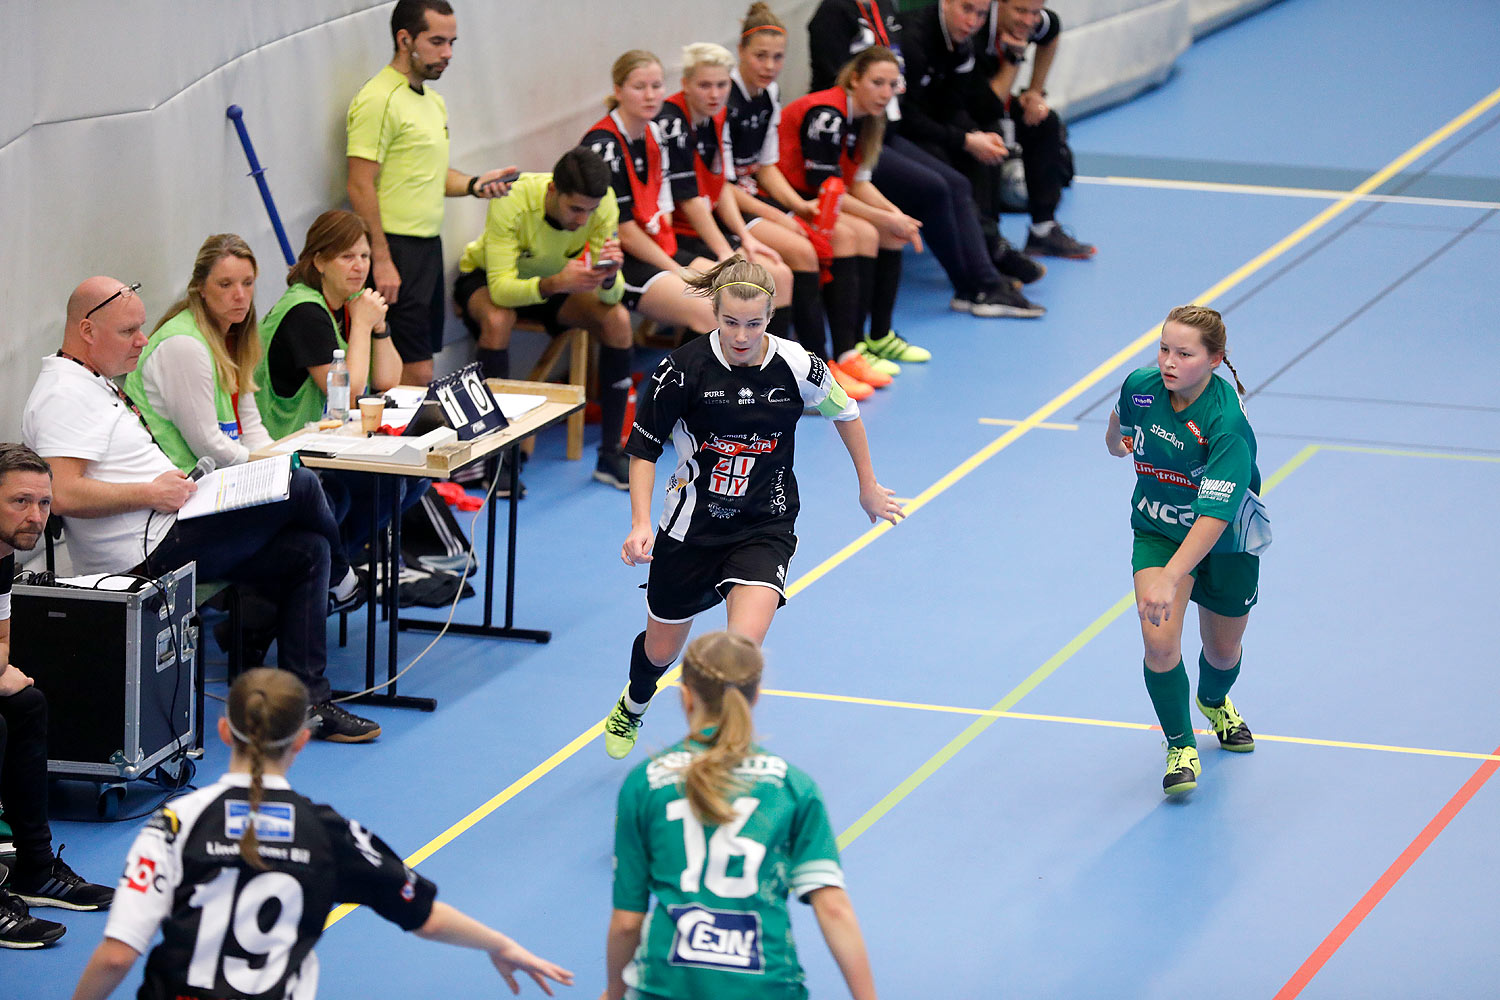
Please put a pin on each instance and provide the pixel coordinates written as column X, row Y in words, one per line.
column 1169, row 696
column 1213, row 683
column 643, row 676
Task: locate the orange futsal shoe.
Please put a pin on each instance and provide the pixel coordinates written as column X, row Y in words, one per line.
column 856, row 366
column 855, row 389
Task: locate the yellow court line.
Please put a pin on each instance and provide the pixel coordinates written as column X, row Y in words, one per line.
column 1114, row 724
column 1400, row 453
column 1322, row 194
column 1078, row 388
column 1002, row 422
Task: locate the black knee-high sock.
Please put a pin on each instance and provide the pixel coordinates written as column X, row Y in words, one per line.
column 866, row 295
column 807, row 311
column 614, row 389
column 494, row 363
column 845, row 320
column 887, row 271
column 781, row 322
column 643, row 673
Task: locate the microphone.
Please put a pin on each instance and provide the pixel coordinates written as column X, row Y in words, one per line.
column 205, row 465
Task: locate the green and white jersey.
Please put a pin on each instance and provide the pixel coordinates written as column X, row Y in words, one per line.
column 720, row 928
column 1198, row 462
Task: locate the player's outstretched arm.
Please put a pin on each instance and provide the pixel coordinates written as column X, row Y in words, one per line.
column 840, row 927
column 107, row 967
column 876, row 500
column 455, row 927
column 623, row 939
column 1118, row 445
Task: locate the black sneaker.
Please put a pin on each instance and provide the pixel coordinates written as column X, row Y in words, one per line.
column 19, row 929
column 613, row 469
column 1183, row 770
column 60, row 886
column 328, row 721
column 1003, row 300
column 1059, row 243
column 1014, row 264
column 355, row 599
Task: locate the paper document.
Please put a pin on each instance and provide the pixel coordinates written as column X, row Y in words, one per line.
column 381, row 448
column 265, row 481
column 514, row 404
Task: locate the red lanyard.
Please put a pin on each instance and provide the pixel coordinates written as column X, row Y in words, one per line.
column 877, row 23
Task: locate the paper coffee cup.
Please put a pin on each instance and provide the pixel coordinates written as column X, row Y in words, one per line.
column 371, row 411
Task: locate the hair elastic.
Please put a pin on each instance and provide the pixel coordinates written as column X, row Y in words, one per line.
column 269, row 744
column 763, row 27
column 750, row 283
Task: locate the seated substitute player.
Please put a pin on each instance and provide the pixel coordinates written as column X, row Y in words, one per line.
column 207, row 868
column 1199, row 528
column 719, row 830
column 837, row 133
column 729, row 403
column 41, row 877
column 655, row 270
column 549, row 253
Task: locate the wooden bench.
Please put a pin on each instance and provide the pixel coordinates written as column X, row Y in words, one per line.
column 575, row 342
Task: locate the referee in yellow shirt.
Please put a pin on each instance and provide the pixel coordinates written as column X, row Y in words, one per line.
column 399, row 176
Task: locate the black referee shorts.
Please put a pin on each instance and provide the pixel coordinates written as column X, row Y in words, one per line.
column 686, row 579
column 415, row 319
column 543, row 312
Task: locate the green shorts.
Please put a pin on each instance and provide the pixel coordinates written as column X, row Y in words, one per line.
column 1226, row 583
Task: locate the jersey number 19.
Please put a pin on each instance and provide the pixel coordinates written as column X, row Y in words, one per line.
column 223, row 907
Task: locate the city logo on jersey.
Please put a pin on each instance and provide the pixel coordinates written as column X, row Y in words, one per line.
column 1217, row 490
column 1167, row 436
column 716, row 939
column 1142, row 399
column 274, row 821
column 1169, row 476
column 1166, row 513
column 666, row 375
column 747, row 396
column 1196, row 432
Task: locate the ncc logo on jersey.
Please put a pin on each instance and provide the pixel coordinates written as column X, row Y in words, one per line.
column 274, row 821
column 716, row 939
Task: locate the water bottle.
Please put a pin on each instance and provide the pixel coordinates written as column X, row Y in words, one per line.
column 337, row 406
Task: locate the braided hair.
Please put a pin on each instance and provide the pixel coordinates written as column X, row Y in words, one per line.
column 266, row 709
column 722, row 670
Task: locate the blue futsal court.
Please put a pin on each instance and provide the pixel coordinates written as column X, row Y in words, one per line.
column 966, row 687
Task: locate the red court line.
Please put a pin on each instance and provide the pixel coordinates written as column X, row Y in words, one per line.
column 1386, row 882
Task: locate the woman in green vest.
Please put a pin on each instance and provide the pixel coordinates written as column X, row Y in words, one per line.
column 326, row 307
column 195, row 382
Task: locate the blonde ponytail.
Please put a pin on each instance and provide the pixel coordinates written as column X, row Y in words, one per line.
column 723, row 672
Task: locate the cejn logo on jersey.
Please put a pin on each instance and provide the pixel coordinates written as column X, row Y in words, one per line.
column 274, row 821
column 716, row 939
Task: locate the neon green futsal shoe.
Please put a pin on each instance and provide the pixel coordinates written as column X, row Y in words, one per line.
column 876, row 362
column 1182, row 770
column 893, row 348
column 1228, row 726
column 621, row 727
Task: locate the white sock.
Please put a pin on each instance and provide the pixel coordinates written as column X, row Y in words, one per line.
column 345, row 587
column 1043, row 228
column 635, row 707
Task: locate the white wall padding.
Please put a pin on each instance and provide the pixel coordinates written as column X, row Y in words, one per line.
column 116, row 156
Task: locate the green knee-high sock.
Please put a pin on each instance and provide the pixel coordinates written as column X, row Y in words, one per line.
column 1213, row 683
column 1169, row 696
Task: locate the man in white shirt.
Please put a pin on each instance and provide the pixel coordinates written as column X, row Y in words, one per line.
column 120, row 494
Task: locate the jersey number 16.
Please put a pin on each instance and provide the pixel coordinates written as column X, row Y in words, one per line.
column 724, row 845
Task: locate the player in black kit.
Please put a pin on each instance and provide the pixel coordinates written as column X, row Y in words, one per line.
column 240, row 877
column 729, row 404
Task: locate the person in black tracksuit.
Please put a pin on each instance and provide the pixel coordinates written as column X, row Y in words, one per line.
column 920, row 184
column 952, row 109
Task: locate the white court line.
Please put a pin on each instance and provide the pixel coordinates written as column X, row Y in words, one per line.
column 1283, row 192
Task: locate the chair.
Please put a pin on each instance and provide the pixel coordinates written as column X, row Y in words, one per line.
column 575, row 341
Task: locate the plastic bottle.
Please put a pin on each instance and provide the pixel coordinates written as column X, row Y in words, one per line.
column 337, row 406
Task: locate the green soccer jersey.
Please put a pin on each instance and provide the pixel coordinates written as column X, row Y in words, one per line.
column 1188, row 464
column 720, row 927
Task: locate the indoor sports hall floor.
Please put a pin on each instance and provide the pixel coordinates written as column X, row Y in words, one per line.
column 966, row 687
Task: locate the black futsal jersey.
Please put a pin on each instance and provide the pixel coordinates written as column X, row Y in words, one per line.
column 752, row 129
column 230, row 930
column 679, row 139
column 635, row 159
column 732, row 427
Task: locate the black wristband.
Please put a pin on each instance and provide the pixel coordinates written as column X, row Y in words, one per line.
column 381, row 336
column 473, row 182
